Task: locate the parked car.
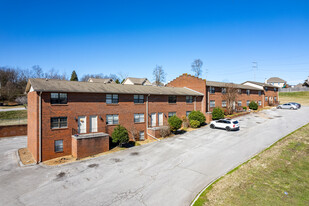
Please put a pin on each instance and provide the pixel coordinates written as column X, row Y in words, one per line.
column 287, row 106
column 296, row 104
column 228, row 124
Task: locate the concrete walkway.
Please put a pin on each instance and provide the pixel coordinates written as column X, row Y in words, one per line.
column 169, row 172
column 12, row 109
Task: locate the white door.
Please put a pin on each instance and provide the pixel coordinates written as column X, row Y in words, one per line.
column 153, row 119
column 160, row 119
column 82, row 128
column 93, row 124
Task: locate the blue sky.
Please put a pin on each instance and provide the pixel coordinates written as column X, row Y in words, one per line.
column 132, row 37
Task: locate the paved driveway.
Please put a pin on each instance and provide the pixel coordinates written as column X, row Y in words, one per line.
column 170, row 172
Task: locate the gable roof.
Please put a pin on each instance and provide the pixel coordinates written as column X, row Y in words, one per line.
column 138, row 81
column 51, row 85
column 103, row 80
column 225, row 84
column 276, row 80
column 261, row 84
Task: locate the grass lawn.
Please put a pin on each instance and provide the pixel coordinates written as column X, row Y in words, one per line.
column 277, row 176
column 21, row 114
column 300, row 97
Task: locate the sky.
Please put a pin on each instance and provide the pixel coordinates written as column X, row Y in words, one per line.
column 132, row 37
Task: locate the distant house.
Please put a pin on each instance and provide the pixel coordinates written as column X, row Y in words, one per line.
column 306, row 83
column 105, row 81
column 276, row 81
column 137, row 81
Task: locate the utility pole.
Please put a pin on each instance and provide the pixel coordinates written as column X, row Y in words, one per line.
column 254, row 68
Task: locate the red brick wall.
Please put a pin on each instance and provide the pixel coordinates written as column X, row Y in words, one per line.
column 13, row 130
column 90, row 146
column 33, row 124
column 271, row 93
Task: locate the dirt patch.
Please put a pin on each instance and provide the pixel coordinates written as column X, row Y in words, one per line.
column 116, row 159
column 134, row 153
column 60, row 175
column 93, row 165
column 60, row 160
column 25, row 156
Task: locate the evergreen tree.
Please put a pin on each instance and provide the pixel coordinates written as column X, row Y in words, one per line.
column 74, row 76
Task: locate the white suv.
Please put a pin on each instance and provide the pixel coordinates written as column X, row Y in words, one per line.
column 228, row 124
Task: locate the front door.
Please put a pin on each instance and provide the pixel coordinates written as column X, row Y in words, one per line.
column 82, row 128
column 153, row 119
column 93, row 124
column 160, row 119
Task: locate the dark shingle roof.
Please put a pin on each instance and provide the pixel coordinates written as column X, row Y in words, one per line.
column 225, row 84
column 275, row 80
column 261, row 84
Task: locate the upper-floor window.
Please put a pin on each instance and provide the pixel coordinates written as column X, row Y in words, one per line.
column 212, row 103
column 170, row 114
column 248, row 91
column 138, row 98
column 223, row 90
column 212, row 90
column 58, row 98
column 189, row 99
column 172, row 99
column 239, row 91
column 112, row 99
column 266, row 88
column 260, row 93
column 112, row 119
column 275, row 89
column 223, row 103
column 58, row 122
column 139, row 118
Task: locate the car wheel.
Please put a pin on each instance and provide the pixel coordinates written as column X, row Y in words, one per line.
column 212, row 126
column 291, row 108
column 228, row 129
column 279, row 107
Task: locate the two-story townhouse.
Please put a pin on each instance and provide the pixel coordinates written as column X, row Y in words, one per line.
column 78, row 118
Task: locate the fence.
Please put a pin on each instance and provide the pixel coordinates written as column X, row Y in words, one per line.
column 18, row 121
column 295, row 89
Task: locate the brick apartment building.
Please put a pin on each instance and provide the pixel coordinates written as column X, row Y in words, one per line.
column 59, row 110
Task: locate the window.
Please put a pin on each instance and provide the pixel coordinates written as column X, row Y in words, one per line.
column 172, row 99
column 266, row 88
column 170, row 114
column 189, row 99
column 58, row 122
column 223, row 90
column 275, row 98
column 112, row 99
column 212, row 90
column 138, row 99
column 239, row 103
column 266, row 98
column 248, row 91
column 212, row 103
column 239, row 91
column 275, row 89
column 138, row 118
column 112, row 119
column 187, row 113
column 58, row 98
column 59, row 146
column 141, row 135
column 223, row 103
column 260, row 93
column 260, row 103
column 248, row 102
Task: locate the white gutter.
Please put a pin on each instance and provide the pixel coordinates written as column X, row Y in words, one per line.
column 147, row 119
column 40, row 127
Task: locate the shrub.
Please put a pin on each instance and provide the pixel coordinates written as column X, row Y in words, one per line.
column 120, row 135
column 253, row 105
column 226, row 112
column 165, row 131
column 217, row 113
column 185, row 122
column 175, row 123
column 195, row 123
column 245, row 108
column 197, row 115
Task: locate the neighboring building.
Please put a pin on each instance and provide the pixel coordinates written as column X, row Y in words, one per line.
column 78, row 118
column 137, row 81
column 270, row 92
column 306, row 83
column 103, row 80
column 276, row 81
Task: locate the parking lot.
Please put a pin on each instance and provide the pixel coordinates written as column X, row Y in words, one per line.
column 169, row 172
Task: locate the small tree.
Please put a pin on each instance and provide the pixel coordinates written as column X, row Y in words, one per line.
column 197, row 115
column 74, row 76
column 217, row 113
column 22, row 100
column 197, row 67
column 195, row 123
column 230, row 96
column 120, row 135
column 175, row 123
column 253, row 105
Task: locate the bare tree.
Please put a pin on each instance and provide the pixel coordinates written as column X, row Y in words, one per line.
column 22, row 100
column 159, row 75
column 197, row 67
column 230, row 96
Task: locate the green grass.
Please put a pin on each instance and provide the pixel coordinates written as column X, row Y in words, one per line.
column 19, row 114
column 300, row 97
column 294, row 94
column 264, row 179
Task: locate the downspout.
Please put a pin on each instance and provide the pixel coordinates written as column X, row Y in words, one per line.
column 195, row 103
column 208, row 101
column 40, row 127
column 147, row 119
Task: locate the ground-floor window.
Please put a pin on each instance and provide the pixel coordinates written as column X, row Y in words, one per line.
column 139, row 118
column 59, row 145
column 141, row 135
column 112, row 119
column 239, row 103
column 260, row 103
column 275, row 98
column 223, row 103
column 212, row 103
column 170, row 114
column 248, row 102
column 266, row 98
column 187, row 113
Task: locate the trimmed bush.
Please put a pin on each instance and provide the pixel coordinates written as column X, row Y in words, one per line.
column 195, row 123
column 175, row 123
column 165, row 131
column 197, row 115
column 245, row 108
column 253, row 105
column 217, row 113
column 120, row 135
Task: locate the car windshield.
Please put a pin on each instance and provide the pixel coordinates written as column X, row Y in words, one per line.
column 235, row 122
